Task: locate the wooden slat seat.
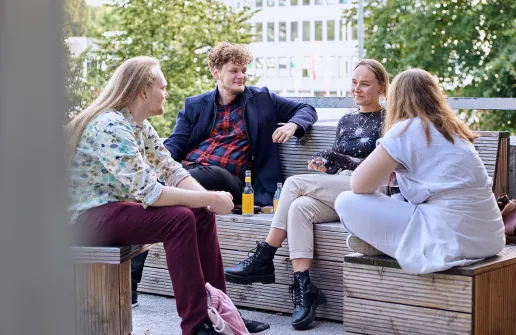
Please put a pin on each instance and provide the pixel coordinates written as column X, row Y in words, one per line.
column 237, row 234
column 475, row 299
column 103, row 288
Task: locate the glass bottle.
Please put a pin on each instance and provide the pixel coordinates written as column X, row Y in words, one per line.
column 276, row 197
column 248, row 196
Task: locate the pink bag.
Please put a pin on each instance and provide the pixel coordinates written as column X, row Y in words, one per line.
column 223, row 314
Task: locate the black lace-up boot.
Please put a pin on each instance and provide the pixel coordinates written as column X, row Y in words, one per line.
column 257, row 268
column 306, row 298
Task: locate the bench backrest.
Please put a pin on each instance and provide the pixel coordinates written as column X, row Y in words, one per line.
column 493, row 147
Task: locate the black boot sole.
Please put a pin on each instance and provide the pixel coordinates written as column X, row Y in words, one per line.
column 268, row 279
column 307, row 321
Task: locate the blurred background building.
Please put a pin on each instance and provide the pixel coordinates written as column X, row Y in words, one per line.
column 302, row 47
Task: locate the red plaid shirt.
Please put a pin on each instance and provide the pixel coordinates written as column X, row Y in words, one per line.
column 228, row 145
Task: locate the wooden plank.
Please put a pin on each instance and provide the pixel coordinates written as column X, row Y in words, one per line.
column 126, row 315
column 495, row 299
column 107, row 255
column 272, row 297
column 326, row 274
column 375, row 317
column 505, row 258
column 447, row 292
column 97, row 299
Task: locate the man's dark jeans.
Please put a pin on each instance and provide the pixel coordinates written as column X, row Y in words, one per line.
column 136, row 273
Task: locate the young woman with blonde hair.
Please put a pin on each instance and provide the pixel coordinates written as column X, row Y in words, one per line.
column 452, row 218
column 308, row 199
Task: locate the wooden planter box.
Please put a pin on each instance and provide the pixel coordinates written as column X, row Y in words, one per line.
column 478, row 299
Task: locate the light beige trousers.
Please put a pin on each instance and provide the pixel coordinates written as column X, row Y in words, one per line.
column 307, row 199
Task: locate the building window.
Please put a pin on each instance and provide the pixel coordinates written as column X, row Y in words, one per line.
column 283, row 66
column 307, row 66
column 282, row 2
column 294, row 34
column 333, row 67
column 343, row 2
column 270, row 3
column 293, row 2
column 271, row 67
column 282, row 31
column 343, row 31
column 293, row 67
column 259, row 66
column 306, row 30
column 318, row 30
column 331, row 2
column 330, row 30
column 354, row 31
column 306, row 2
column 258, row 32
column 270, row 32
column 343, row 67
column 259, row 3
column 318, row 2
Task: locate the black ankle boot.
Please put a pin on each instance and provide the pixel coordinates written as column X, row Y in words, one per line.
column 257, row 268
column 306, row 298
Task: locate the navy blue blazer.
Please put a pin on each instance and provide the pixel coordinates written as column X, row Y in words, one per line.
column 262, row 112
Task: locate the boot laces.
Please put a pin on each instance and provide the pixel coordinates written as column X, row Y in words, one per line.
column 252, row 254
column 296, row 292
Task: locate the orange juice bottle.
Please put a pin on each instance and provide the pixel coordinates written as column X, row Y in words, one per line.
column 248, row 196
column 277, row 196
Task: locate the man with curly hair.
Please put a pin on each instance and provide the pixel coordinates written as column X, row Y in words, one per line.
column 221, row 134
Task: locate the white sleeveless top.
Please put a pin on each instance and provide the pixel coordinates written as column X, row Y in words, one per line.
column 456, row 221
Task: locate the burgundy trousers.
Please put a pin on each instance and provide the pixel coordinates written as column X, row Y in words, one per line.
column 189, row 236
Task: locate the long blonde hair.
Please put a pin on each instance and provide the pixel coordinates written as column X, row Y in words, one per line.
column 415, row 93
column 128, row 80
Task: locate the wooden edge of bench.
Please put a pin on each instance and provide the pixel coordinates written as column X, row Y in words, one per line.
column 505, row 258
column 106, row 255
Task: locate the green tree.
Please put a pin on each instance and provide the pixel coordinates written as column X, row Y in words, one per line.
column 179, row 33
column 470, row 45
column 76, row 18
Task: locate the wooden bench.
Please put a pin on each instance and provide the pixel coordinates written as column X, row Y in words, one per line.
column 103, row 289
column 238, row 234
column 479, row 299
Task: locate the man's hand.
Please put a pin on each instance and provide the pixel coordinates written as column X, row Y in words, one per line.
column 284, row 133
column 222, row 202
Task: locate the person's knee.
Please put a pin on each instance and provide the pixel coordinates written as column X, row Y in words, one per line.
column 300, row 209
column 345, row 204
column 179, row 218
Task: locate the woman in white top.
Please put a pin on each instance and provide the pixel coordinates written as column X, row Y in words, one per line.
column 452, row 218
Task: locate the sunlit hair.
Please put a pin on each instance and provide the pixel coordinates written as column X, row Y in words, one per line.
column 129, row 79
column 415, row 93
column 379, row 72
column 226, row 52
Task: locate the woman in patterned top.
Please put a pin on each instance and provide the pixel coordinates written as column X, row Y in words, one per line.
column 309, row 198
column 126, row 189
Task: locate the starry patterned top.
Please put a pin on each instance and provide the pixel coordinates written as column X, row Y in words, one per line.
column 355, row 139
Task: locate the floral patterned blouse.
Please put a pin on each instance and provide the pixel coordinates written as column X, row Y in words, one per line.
column 117, row 160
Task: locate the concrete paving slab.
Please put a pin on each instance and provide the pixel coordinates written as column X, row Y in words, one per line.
column 157, row 315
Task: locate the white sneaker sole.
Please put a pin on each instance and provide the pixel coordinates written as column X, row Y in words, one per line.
column 358, row 245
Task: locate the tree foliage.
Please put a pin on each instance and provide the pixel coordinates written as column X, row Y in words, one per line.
column 470, row 45
column 179, row 33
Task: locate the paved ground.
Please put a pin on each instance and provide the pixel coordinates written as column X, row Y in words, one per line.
column 157, row 315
